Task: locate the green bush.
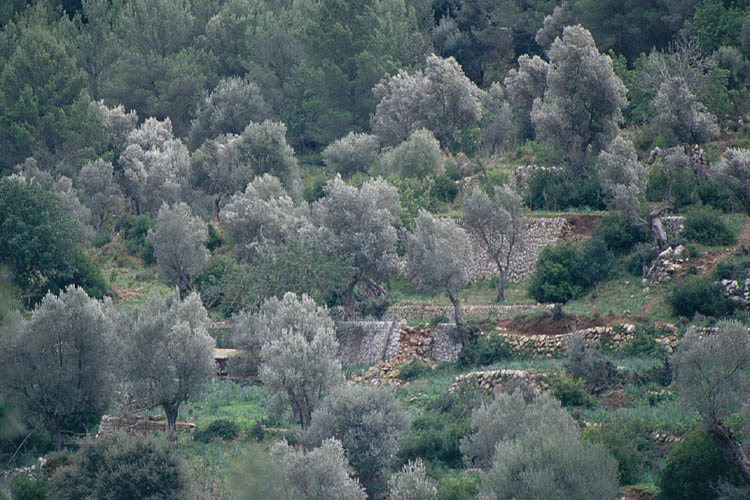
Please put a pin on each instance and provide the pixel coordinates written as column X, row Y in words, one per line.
column 699, row 294
column 620, row 234
column 559, row 190
column 488, row 349
column 629, row 441
column 415, row 368
column 713, row 194
column 693, row 469
column 122, row 466
column 706, row 225
column 33, row 486
column 643, row 342
column 565, row 271
column 134, row 230
column 444, row 189
column 223, row 428
column 570, row 391
column 458, row 488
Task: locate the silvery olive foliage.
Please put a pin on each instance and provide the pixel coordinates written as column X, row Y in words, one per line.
column 355, row 152
column 101, row 194
column 252, row 329
column 498, row 127
column 370, row 423
column 509, row 417
column 623, row 177
column 544, row 465
column 225, row 165
column 179, row 242
column 318, row 474
column 360, row 225
column 711, row 372
column 436, row 256
column 522, row 86
column 554, row 24
column 678, row 116
column 298, row 352
column 168, row 352
column 154, row 165
column 582, row 105
column 264, row 216
column 499, row 226
column 412, row 483
column 440, row 98
column 59, row 363
column 228, row 109
column 118, row 124
column 733, row 172
column 77, row 211
column 418, row 156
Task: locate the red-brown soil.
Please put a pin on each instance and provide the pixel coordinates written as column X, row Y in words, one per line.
column 580, row 226
column 545, row 324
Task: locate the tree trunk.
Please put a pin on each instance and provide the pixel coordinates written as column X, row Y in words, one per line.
column 501, row 286
column 185, row 285
column 725, row 438
column 657, row 229
column 216, row 208
column 171, row 411
column 457, row 308
column 348, row 301
column 59, row 439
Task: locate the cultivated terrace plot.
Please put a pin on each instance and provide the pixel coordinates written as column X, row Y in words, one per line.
column 397, row 250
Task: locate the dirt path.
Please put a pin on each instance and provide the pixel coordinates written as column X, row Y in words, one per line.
column 705, row 264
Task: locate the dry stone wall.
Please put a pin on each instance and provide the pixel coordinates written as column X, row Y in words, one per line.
column 138, row 425
column 541, row 231
column 427, row 312
column 368, row 342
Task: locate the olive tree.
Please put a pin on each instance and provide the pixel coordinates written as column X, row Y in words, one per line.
column 318, row 474
column 79, row 213
column 179, row 242
column 360, row 226
column 225, row 165
column 499, row 225
column 711, row 373
column 497, row 121
column 678, row 116
column 412, row 483
column 441, row 98
column 58, row 363
column 436, row 256
column 733, row 172
column 522, row 86
column 264, row 216
column 508, row 417
column 554, row 24
column 168, row 353
column 100, row 191
column 298, row 353
column 228, row 109
column 583, row 101
column 117, row 124
column 154, row 165
column 623, row 177
column 370, row 423
column 418, row 156
column 355, row 152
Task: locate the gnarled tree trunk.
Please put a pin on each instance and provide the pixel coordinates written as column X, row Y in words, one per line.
column 456, row 308
column 732, row 449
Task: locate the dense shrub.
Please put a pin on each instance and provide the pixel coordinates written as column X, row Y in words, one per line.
column 585, row 360
column 643, row 342
column 713, row 194
column 706, row 225
column 559, row 190
column 640, row 260
column 122, row 466
column 570, row 391
column 565, row 271
column 33, row 486
column 693, row 469
column 488, row 349
column 223, row 428
column 629, row 441
column 443, row 189
column 458, row 488
column 415, row 368
column 698, row 294
column 134, row 231
column 620, row 234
